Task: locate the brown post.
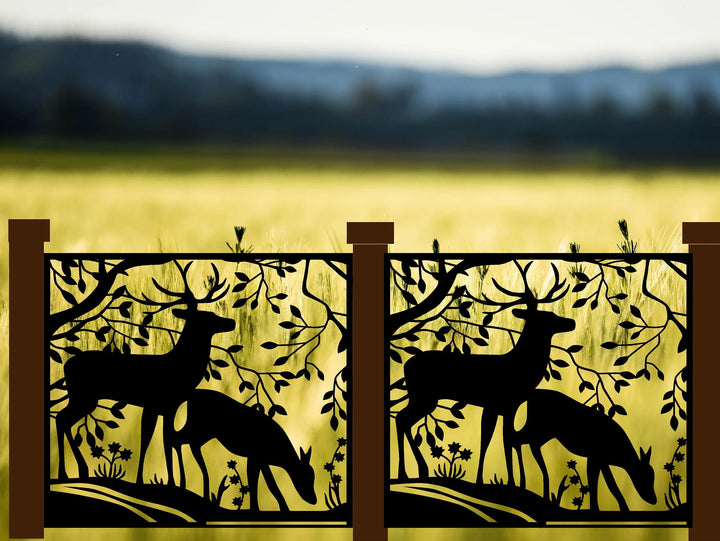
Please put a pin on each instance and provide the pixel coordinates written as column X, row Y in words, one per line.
column 704, row 241
column 27, row 377
column 370, row 244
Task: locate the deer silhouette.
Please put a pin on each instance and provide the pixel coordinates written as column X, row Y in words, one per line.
column 157, row 383
column 585, row 432
column 498, row 383
column 245, row 432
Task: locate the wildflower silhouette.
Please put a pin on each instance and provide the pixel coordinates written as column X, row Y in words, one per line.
column 332, row 497
column 234, row 480
column 672, row 498
column 110, row 469
column 449, row 468
column 575, row 479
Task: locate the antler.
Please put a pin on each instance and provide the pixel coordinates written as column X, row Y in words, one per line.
column 186, row 296
column 527, row 296
column 557, row 286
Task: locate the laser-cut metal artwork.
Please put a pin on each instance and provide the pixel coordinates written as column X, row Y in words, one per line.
column 584, row 359
column 243, row 357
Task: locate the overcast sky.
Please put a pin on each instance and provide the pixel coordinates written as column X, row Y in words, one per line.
column 470, row 35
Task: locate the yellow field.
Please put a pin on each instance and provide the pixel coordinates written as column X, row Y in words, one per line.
column 300, row 209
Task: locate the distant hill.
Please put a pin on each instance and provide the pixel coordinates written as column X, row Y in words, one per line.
column 76, row 87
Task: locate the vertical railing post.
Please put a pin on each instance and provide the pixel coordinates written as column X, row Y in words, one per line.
column 704, row 245
column 27, row 377
column 370, row 244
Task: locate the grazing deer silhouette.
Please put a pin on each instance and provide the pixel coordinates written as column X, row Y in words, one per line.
column 498, row 383
column 245, row 432
column 157, row 383
column 585, row 432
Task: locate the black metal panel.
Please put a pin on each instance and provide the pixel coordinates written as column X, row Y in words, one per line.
column 582, row 358
column 198, row 389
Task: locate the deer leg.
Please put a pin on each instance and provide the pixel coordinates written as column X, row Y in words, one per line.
column 521, row 465
column 178, row 450
column 508, row 438
column 487, row 428
column 614, row 490
column 253, row 471
column 274, row 490
column 64, row 421
column 537, row 453
column 197, row 453
column 148, row 422
column 593, row 472
column 404, row 421
column 60, row 429
column 168, row 435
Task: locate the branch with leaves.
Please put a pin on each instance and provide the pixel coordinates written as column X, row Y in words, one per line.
column 304, row 336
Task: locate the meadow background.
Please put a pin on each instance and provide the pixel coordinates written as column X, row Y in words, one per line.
column 189, row 201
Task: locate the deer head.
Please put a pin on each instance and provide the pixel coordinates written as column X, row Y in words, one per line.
column 303, row 477
column 643, row 477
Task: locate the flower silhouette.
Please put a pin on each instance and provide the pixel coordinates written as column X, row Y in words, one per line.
column 125, row 454
column 114, row 447
column 97, row 451
column 465, row 454
column 332, row 497
column 669, row 466
column 572, row 464
column 454, row 447
column 232, row 464
column 437, row 451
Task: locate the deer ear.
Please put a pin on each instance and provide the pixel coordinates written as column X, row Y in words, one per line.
column 520, row 313
column 180, row 313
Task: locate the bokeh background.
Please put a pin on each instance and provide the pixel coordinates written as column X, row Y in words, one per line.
column 513, row 126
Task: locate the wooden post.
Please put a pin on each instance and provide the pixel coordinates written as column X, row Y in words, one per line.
column 370, row 244
column 704, row 245
column 27, row 377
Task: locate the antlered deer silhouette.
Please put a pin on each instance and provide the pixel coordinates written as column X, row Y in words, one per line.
column 245, row 432
column 498, row 383
column 585, row 432
column 157, row 383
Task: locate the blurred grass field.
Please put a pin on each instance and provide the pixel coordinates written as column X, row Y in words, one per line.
column 137, row 203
